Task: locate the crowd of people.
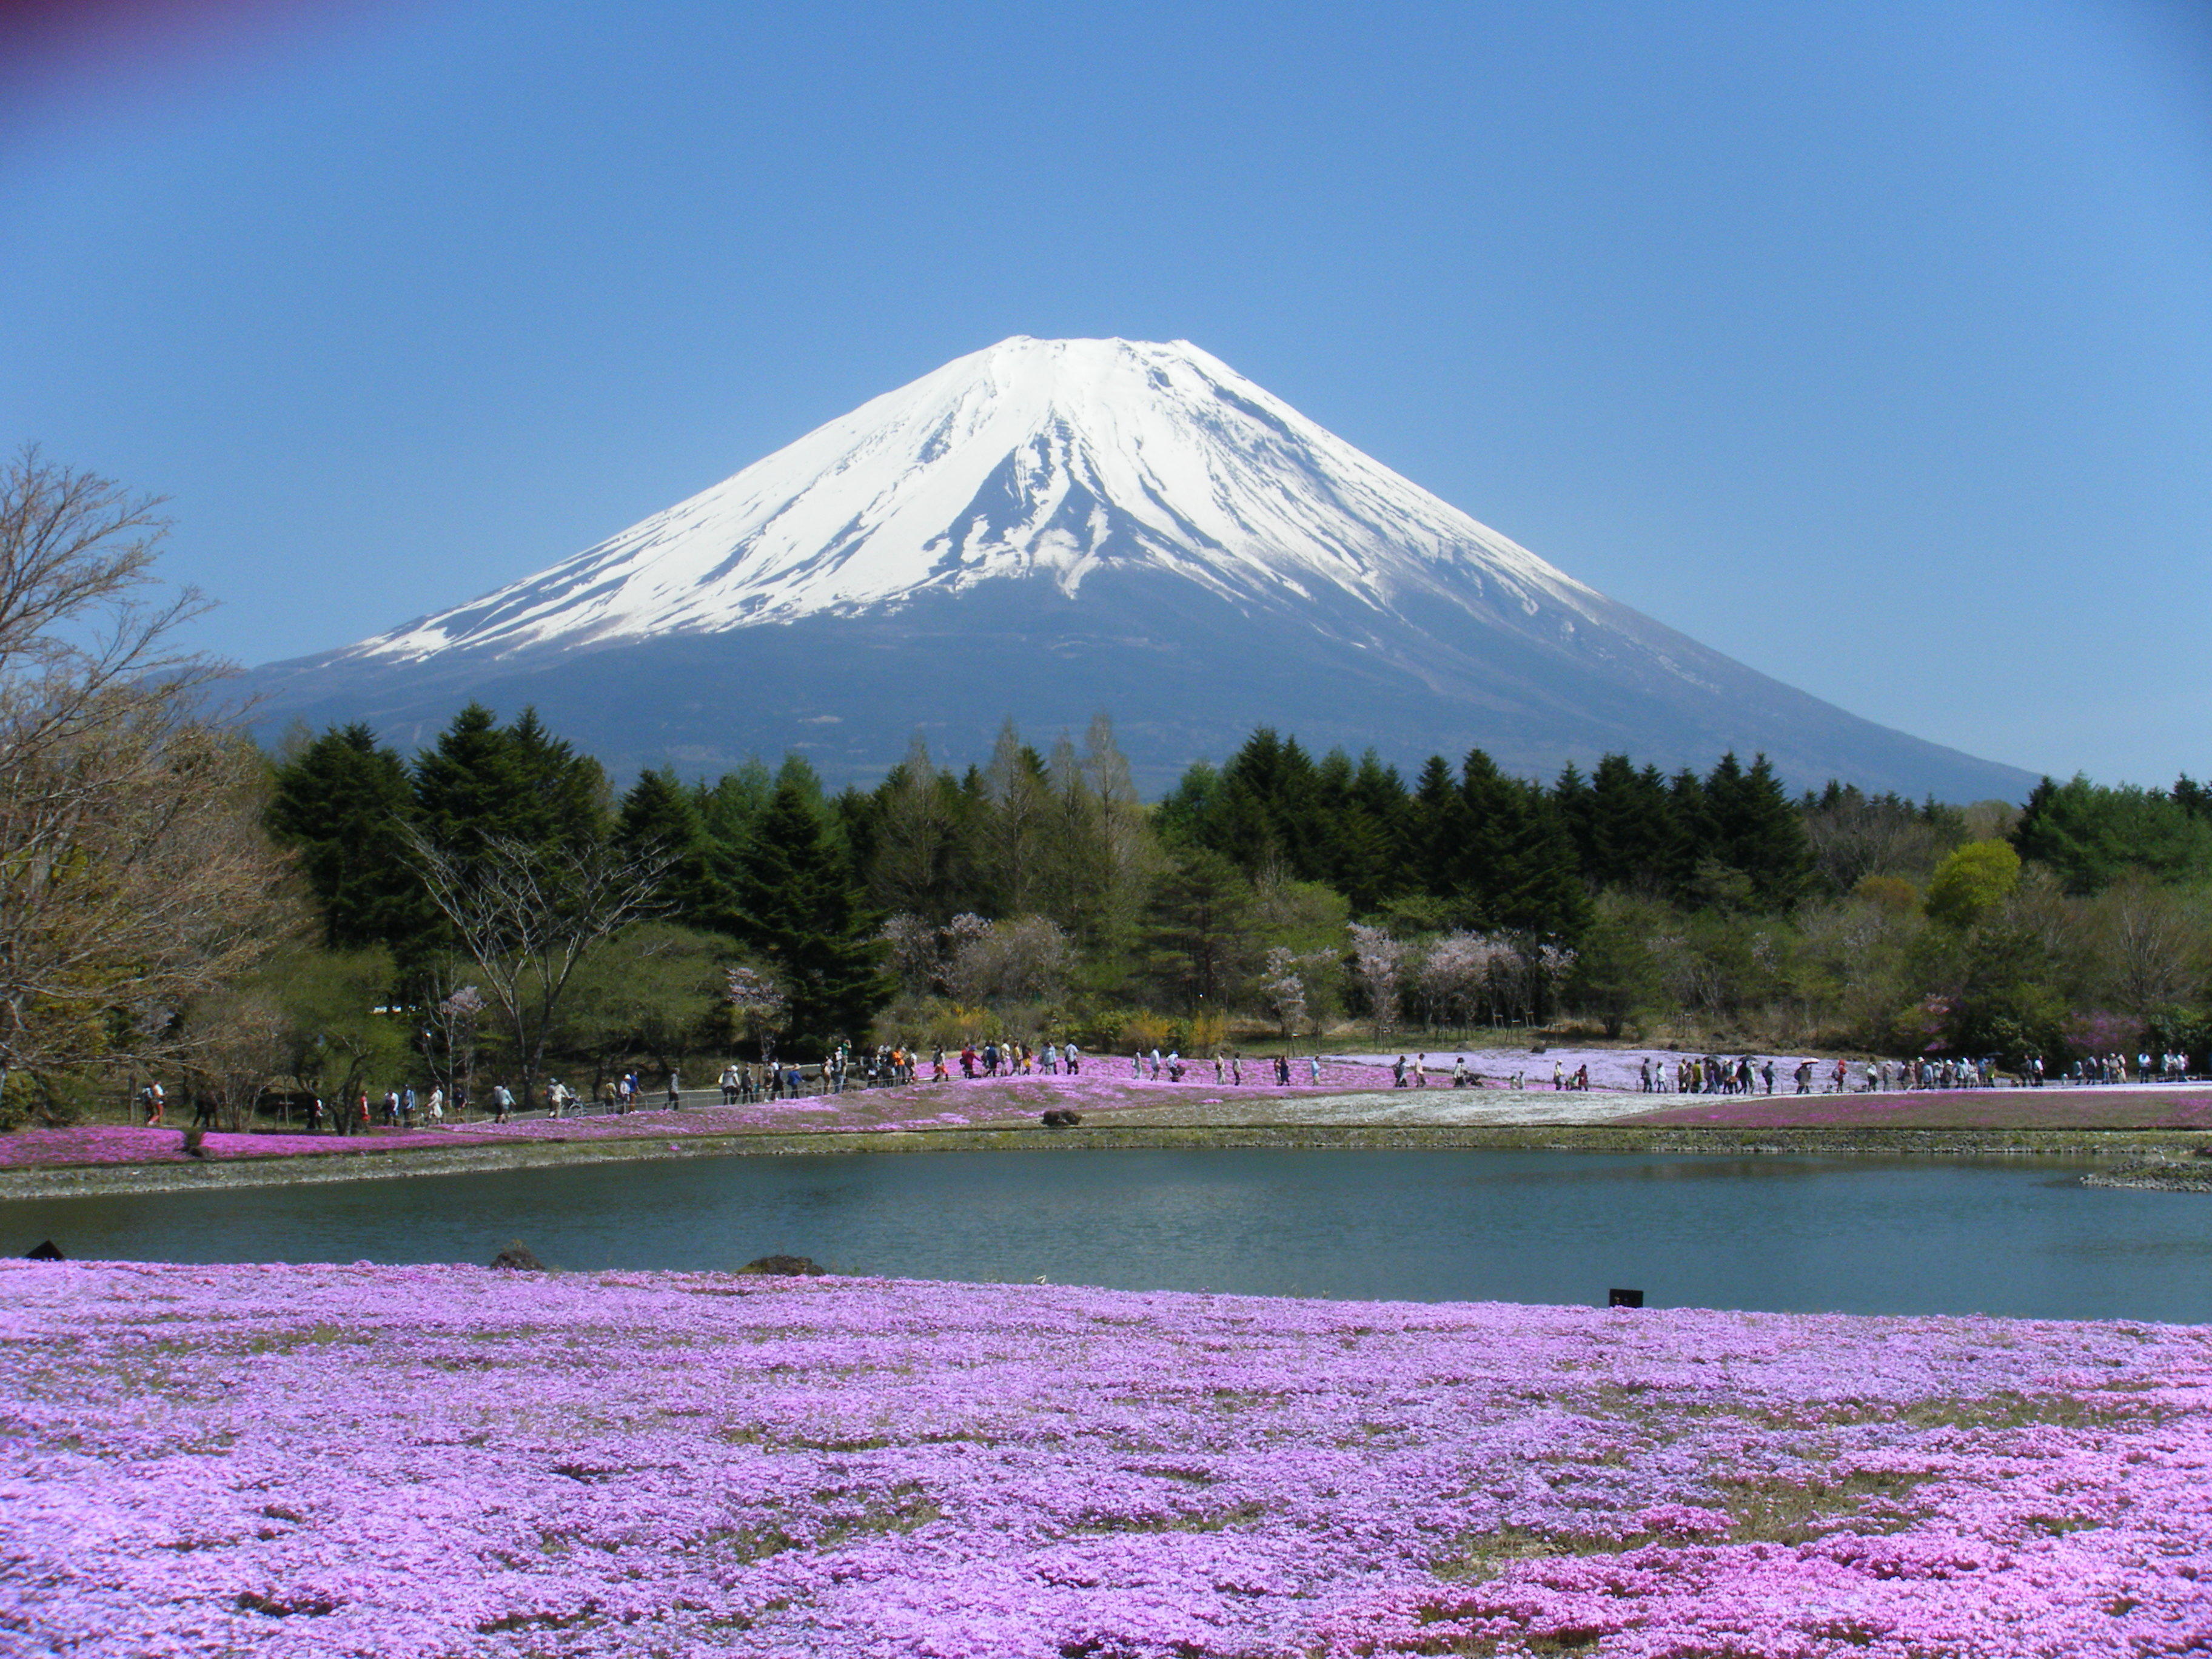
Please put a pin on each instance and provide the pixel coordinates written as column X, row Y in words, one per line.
column 888, row 1065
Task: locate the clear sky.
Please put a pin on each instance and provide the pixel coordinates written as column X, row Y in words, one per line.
column 1870, row 344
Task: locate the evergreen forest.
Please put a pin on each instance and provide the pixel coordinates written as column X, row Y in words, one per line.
column 1278, row 897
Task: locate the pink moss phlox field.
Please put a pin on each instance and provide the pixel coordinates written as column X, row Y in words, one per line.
column 1946, row 1108
column 426, row 1462
column 115, row 1143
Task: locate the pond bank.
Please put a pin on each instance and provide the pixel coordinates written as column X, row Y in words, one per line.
column 2163, row 1149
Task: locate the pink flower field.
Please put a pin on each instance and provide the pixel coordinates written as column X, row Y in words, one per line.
column 427, row 1463
column 1947, row 1108
column 111, row 1143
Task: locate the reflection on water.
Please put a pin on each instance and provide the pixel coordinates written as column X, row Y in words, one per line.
column 1800, row 1234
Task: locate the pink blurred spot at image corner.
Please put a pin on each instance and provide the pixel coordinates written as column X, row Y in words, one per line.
column 80, row 47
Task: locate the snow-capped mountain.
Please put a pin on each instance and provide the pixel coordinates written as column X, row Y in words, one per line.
column 1048, row 527
column 1036, row 458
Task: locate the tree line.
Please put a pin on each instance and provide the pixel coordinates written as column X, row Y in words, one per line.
column 1036, row 890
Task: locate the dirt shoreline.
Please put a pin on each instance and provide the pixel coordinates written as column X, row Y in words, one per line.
column 2138, row 1146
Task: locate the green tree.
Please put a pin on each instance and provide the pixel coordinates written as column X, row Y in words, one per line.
column 659, row 815
column 1752, row 826
column 801, row 910
column 1972, row 881
column 467, row 783
column 654, row 989
column 482, row 781
column 2091, row 834
column 338, row 1044
column 562, row 795
column 1625, row 831
column 341, row 803
column 1616, row 974
column 1201, row 940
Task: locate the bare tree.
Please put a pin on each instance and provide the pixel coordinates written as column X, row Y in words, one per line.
column 134, row 875
column 1024, row 959
column 759, row 1005
column 2152, row 945
column 1378, row 965
column 241, row 1050
column 1282, row 990
column 527, row 915
column 456, row 1018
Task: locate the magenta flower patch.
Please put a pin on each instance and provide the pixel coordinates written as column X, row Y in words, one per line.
column 1945, row 1108
column 419, row 1462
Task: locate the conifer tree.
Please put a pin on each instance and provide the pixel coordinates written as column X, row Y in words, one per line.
column 1756, row 831
column 467, row 785
column 1200, row 942
column 917, row 844
column 1626, row 832
column 801, row 910
column 340, row 803
column 659, row 815
column 1441, row 852
column 562, row 794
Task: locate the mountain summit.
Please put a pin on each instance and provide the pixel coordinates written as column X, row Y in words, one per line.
column 1041, row 459
column 1048, row 527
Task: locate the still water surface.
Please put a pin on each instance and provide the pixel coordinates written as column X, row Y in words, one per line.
column 1794, row 1234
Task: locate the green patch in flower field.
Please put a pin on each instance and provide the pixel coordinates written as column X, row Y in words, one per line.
column 1092, row 1523
column 1779, row 1509
column 1474, row 1557
column 2120, row 1407
column 322, row 1334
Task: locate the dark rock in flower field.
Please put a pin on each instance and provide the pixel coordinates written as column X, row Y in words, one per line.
column 273, row 1608
column 1061, row 1118
column 786, row 1267
column 49, row 1251
column 195, row 1143
column 519, row 1258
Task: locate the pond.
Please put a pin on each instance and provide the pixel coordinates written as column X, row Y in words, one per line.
column 1797, row 1234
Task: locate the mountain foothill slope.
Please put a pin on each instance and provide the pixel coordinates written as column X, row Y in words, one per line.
column 1048, row 528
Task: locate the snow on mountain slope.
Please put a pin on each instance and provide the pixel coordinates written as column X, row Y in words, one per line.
column 1053, row 457
column 1049, row 528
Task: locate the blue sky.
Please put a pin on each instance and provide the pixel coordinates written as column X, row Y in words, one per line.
column 1870, row 344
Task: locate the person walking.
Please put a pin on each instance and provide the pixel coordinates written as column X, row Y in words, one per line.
column 155, row 1102
column 502, row 1104
column 675, row 1091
